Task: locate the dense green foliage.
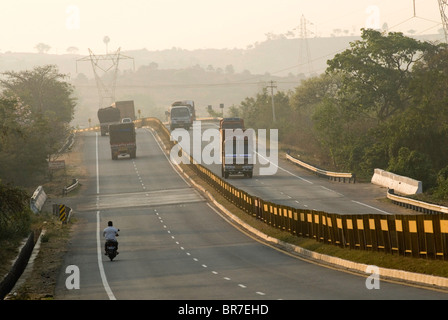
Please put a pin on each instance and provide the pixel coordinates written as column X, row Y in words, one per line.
column 15, row 214
column 35, row 110
column 382, row 103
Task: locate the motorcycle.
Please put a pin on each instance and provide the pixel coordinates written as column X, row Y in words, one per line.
column 111, row 249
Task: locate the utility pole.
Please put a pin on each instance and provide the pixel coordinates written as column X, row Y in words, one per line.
column 272, row 86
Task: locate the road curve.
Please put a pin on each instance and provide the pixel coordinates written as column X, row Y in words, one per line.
column 299, row 188
column 174, row 245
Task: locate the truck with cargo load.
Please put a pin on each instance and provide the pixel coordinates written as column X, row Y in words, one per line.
column 236, row 155
column 108, row 116
column 127, row 109
column 123, row 140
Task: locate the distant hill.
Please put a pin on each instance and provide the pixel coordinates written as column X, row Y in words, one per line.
column 208, row 76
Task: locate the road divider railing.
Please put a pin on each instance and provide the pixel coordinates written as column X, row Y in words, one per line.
column 407, row 235
column 334, row 176
column 420, row 206
column 70, row 187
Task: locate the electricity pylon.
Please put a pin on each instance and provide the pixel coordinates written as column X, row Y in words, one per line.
column 443, row 6
column 303, row 30
column 105, row 68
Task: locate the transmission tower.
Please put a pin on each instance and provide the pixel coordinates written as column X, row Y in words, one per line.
column 443, row 5
column 105, row 68
column 303, row 31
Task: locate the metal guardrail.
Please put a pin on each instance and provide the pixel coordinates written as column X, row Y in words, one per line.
column 73, row 186
column 416, row 205
column 335, row 176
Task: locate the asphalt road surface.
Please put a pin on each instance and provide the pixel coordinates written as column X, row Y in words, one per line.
column 175, row 246
column 299, row 188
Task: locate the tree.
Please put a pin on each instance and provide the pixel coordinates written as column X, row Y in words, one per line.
column 257, row 112
column 22, row 151
column 373, row 112
column 36, row 108
column 43, row 89
column 229, row 69
column 413, row 164
column 72, row 50
column 376, row 72
column 42, row 47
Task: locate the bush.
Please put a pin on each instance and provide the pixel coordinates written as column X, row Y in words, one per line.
column 15, row 215
column 415, row 165
column 440, row 192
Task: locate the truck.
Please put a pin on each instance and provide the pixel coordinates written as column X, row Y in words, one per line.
column 180, row 117
column 236, row 156
column 127, row 109
column 189, row 104
column 122, row 140
column 108, row 116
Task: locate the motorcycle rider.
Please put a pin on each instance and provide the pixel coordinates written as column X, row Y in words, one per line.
column 110, row 233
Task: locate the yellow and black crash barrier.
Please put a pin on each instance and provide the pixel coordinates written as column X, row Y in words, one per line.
column 62, row 213
column 424, row 235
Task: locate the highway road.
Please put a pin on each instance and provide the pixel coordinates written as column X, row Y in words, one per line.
column 297, row 187
column 174, row 245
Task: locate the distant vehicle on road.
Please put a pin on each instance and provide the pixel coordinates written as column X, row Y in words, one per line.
column 189, row 104
column 180, row 117
column 108, row 116
column 127, row 109
column 122, row 140
column 235, row 155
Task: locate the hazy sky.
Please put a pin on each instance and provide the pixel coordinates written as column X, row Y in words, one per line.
column 195, row 24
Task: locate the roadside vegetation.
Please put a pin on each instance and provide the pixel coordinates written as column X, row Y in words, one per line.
column 380, row 104
column 36, row 107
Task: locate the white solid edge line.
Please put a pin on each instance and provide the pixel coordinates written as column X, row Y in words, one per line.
column 366, row 205
column 106, row 286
